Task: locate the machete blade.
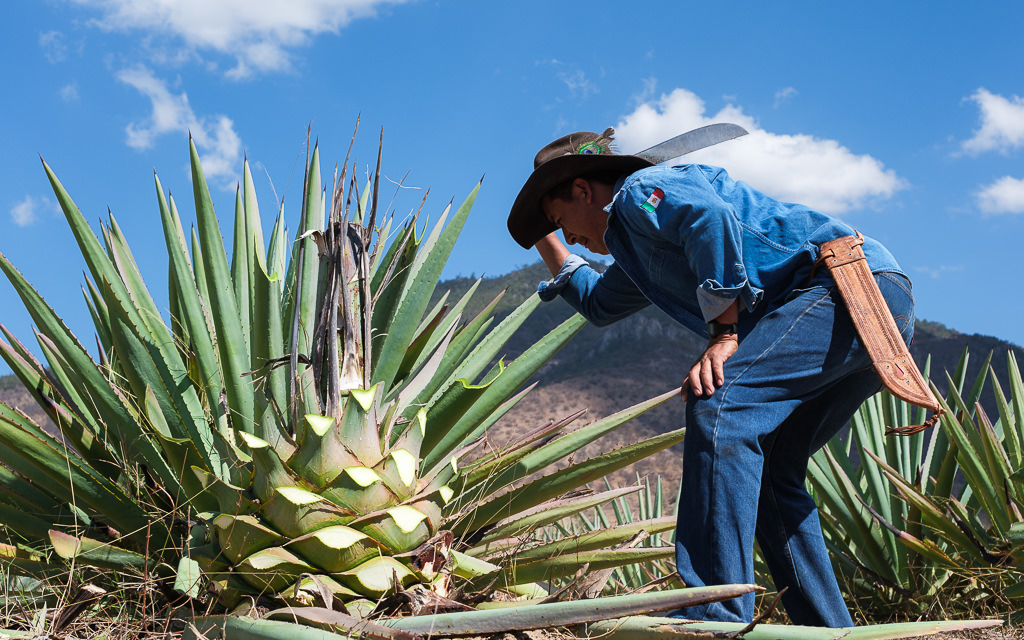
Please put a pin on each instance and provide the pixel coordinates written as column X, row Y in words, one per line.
column 691, row 141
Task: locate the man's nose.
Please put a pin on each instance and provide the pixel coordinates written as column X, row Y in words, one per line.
column 569, row 237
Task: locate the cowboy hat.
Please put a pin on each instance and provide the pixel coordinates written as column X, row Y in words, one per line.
column 571, row 156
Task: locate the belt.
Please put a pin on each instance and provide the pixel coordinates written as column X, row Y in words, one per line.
column 845, row 260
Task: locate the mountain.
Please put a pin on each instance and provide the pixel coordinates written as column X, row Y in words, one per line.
column 608, row 369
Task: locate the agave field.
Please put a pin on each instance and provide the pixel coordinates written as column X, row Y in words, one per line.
column 294, row 445
column 931, row 523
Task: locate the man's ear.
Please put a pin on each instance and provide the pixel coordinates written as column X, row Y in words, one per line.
column 584, row 186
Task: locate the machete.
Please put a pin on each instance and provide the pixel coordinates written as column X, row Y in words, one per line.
column 691, row 141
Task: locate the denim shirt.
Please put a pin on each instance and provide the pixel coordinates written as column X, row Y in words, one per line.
column 706, row 241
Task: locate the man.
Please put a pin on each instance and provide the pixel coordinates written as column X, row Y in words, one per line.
column 783, row 371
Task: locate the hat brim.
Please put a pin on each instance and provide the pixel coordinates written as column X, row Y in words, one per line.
column 527, row 222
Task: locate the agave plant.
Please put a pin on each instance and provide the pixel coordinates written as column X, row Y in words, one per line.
column 931, row 520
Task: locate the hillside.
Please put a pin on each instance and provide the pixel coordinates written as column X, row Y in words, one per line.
column 608, row 369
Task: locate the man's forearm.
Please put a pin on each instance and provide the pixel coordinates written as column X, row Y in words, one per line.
column 553, row 252
column 731, row 315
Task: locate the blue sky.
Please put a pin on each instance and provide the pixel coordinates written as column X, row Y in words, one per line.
column 905, row 119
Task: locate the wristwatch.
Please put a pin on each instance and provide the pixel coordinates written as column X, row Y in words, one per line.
column 716, row 328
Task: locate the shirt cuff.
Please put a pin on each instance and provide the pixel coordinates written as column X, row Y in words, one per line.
column 550, row 289
column 712, row 306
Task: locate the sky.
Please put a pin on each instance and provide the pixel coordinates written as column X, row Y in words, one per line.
column 904, row 119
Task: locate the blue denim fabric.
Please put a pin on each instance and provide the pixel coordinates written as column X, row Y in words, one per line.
column 794, row 381
column 709, row 241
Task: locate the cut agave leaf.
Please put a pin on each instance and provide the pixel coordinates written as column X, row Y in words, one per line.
column 296, row 512
column 243, row 535
column 336, row 549
column 377, row 576
column 273, row 569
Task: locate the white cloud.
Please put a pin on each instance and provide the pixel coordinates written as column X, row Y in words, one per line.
column 1005, row 195
column 69, row 92
column 1002, row 123
column 579, row 85
column 28, row 211
column 940, row 270
column 782, row 95
column 257, row 33
column 214, row 136
column 53, row 46
column 797, row 168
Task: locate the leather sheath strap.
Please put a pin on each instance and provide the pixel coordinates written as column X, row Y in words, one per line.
column 844, row 258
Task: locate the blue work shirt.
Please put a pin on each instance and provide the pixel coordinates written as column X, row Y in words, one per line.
column 706, row 241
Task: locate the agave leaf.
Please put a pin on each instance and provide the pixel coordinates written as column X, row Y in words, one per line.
column 231, row 343
column 589, row 541
column 328, row 620
column 970, row 456
column 230, row 498
column 856, row 522
column 1017, row 398
column 50, row 462
column 302, row 304
column 451, row 318
column 23, row 495
column 105, row 400
column 376, row 576
column 448, row 371
column 423, row 375
column 571, row 443
column 929, row 511
column 648, row 628
column 242, row 266
column 296, row 512
column 423, row 334
column 520, row 521
column 568, row 564
column 98, row 311
column 556, row 614
column 472, row 364
column 336, row 549
column 17, row 519
column 243, row 535
column 504, row 385
column 555, row 484
column 272, row 569
column 191, row 314
column 181, row 454
column 243, row 628
column 388, row 282
column 73, row 427
column 152, row 373
column 360, row 489
column 96, row 553
column 425, row 272
column 477, row 471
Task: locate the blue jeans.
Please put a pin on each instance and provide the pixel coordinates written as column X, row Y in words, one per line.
column 795, row 380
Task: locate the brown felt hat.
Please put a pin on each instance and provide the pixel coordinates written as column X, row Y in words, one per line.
column 569, row 157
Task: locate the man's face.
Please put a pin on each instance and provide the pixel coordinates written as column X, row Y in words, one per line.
column 582, row 219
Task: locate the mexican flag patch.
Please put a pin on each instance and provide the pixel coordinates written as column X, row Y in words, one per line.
column 653, row 202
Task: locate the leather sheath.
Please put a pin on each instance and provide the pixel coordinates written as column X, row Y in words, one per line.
column 845, row 260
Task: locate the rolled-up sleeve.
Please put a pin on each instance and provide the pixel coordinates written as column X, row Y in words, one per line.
column 690, row 214
column 602, row 298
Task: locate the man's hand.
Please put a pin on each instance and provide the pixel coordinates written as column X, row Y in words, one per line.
column 708, row 374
